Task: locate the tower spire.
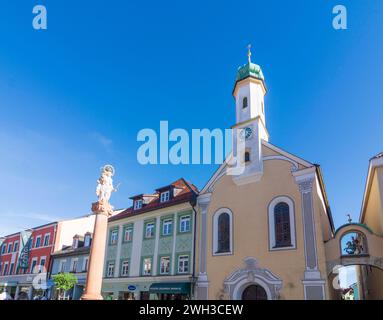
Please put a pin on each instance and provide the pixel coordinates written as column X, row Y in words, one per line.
column 249, row 53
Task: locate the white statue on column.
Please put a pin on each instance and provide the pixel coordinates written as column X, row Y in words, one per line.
column 105, row 184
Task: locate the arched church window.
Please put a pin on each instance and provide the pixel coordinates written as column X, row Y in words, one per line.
column 223, row 232
column 282, row 225
column 244, row 103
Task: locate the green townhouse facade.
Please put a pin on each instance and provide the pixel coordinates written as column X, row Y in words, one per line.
column 150, row 246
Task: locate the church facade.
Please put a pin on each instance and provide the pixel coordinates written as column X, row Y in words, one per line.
column 262, row 229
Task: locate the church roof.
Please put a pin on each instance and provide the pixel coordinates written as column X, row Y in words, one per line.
column 250, row 70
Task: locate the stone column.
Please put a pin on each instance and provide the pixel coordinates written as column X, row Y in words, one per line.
column 17, row 292
column 30, row 291
column 202, row 284
column 97, row 252
column 312, row 282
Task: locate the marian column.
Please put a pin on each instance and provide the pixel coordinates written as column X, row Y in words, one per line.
column 102, row 209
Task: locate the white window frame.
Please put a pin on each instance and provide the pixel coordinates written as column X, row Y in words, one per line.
column 87, row 240
column 38, row 237
column 47, row 235
column 85, row 264
column 110, row 270
column 183, row 223
column 163, row 271
column 14, row 246
column 146, row 230
column 144, row 270
column 215, row 232
column 181, row 263
column 138, row 204
column 41, row 268
column 272, row 241
column 125, row 268
column 10, row 247
column 165, row 196
column 3, row 248
column 11, row 268
column 62, row 266
column 128, row 230
column 33, row 267
column 114, row 240
column 5, row 268
column 74, row 265
column 167, row 225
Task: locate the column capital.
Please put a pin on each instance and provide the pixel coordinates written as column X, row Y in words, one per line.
column 305, row 179
column 203, row 201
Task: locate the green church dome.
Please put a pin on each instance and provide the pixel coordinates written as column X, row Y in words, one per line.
column 250, row 70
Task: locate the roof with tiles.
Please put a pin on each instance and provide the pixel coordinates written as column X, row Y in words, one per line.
column 186, row 193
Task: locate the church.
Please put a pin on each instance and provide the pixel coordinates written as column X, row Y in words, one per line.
column 262, row 230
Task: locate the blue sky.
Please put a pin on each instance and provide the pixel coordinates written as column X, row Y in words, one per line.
column 73, row 97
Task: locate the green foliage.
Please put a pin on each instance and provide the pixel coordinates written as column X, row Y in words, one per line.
column 64, row 281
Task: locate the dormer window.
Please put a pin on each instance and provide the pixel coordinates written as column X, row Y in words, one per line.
column 244, row 103
column 165, row 196
column 87, row 240
column 137, row 204
column 75, row 243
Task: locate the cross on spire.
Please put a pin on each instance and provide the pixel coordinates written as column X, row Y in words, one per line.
column 249, row 53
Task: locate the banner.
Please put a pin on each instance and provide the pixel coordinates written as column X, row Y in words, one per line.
column 25, row 247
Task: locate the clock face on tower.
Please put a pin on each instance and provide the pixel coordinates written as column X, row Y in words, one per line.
column 246, row 133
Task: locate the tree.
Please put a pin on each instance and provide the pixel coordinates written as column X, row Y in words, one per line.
column 64, row 282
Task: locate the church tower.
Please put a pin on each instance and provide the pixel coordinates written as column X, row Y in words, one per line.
column 250, row 128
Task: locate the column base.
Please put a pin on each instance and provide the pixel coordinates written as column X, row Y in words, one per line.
column 91, row 296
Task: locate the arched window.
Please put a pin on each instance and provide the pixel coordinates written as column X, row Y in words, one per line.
column 222, row 232
column 244, row 103
column 281, row 224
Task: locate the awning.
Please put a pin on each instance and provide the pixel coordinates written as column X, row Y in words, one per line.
column 170, row 287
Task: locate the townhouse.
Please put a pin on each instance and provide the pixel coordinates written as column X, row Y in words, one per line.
column 151, row 246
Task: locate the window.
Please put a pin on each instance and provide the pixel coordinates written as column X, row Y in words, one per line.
column 16, row 246
column 125, row 268
column 75, row 242
column 165, row 196
column 167, row 227
column 30, row 243
column 87, row 240
column 247, row 156
column 223, row 232
column 33, row 266
column 62, row 266
column 137, row 204
column 114, row 237
column 185, row 224
column 42, row 264
column 263, row 107
column 244, row 103
column 110, row 270
column 281, row 224
column 147, row 267
column 85, row 264
column 73, row 267
column 46, row 240
column 3, row 248
column 11, row 268
column 165, row 265
column 9, row 247
column 5, row 269
column 149, row 230
column 128, row 235
column 183, row 264
column 38, row 242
